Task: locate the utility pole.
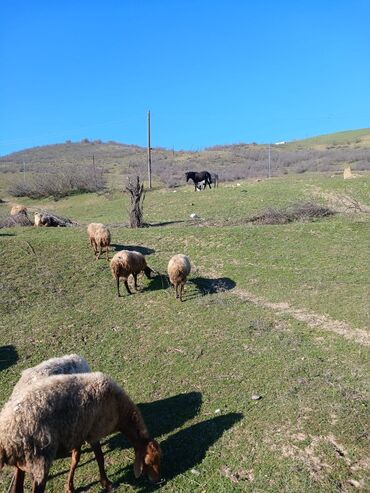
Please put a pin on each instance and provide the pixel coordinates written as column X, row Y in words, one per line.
column 149, row 154
column 94, row 169
column 24, row 172
column 269, row 160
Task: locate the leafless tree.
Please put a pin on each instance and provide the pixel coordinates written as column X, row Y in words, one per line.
column 137, row 196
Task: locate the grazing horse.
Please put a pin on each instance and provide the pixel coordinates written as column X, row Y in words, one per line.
column 199, row 176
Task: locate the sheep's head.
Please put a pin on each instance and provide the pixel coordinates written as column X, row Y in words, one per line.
column 150, row 273
column 148, row 461
column 187, row 176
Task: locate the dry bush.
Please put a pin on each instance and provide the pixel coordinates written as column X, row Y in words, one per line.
column 59, row 183
column 307, row 211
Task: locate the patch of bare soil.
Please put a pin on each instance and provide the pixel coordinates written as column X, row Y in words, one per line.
column 341, row 202
column 311, row 455
column 313, row 320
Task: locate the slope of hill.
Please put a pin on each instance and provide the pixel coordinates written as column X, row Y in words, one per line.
column 324, row 153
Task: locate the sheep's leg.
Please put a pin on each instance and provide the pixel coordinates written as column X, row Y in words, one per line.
column 107, row 252
column 176, row 290
column 99, row 254
column 118, row 287
column 127, row 287
column 104, row 481
column 76, row 454
column 135, row 282
column 39, row 487
column 18, row 481
column 94, row 245
column 181, row 290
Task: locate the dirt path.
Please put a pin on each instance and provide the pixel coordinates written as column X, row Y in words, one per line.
column 341, row 202
column 313, row 320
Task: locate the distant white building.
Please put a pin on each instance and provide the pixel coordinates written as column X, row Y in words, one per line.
column 280, row 143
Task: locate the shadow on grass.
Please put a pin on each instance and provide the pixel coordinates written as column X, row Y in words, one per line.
column 157, row 283
column 7, row 234
column 184, row 450
column 131, row 248
column 212, row 286
column 8, row 356
column 164, row 223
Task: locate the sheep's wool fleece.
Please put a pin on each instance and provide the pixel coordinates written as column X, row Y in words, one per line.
column 127, row 262
column 178, row 267
column 59, row 413
column 71, row 363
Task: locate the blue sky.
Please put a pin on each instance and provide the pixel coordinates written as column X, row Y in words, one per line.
column 211, row 72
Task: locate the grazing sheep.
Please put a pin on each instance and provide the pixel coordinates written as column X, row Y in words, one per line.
column 128, row 262
column 17, row 209
column 99, row 236
column 60, row 413
column 178, row 269
column 65, row 365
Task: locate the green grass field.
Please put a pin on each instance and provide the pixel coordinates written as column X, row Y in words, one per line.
column 277, row 311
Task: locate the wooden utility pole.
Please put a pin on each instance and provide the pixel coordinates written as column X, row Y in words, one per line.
column 269, row 160
column 149, row 154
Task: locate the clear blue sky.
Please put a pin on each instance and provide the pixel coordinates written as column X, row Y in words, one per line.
column 211, row 71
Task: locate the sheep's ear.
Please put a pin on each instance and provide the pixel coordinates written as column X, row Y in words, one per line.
column 139, row 463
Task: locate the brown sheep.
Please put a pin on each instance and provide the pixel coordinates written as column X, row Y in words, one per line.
column 17, row 209
column 61, row 413
column 68, row 364
column 100, row 237
column 128, row 262
column 178, row 269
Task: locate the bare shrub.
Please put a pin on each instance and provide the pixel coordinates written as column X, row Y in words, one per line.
column 59, row 183
column 307, row 211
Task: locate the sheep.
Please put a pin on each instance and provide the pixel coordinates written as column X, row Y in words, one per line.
column 128, row 262
column 178, row 269
column 71, row 363
column 38, row 219
column 18, row 209
column 60, row 413
column 99, row 236
column 68, row 364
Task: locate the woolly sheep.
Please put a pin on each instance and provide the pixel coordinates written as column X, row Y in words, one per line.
column 178, row 269
column 38, row 219
column 128, row 262
column 61, row 412
column 69, row 364
column 99, row 236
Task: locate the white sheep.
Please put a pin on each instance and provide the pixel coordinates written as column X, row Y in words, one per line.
column 100, row 237
column 128, row 262
column 178, row 269
column 62, row 412
column 68, row 364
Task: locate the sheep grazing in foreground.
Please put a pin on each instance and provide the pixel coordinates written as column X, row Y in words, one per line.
column 128, row 262
column 62, row 412
column 99, row 236
column 178, row 270
column 65, row 365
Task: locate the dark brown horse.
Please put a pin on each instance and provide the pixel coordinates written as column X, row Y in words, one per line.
column 198, row 177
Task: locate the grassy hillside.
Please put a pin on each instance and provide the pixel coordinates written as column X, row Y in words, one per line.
column 329, row 153
column 279, row 312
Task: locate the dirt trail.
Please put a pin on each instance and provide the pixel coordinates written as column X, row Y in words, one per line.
column 341, row 202
column 313, row 320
